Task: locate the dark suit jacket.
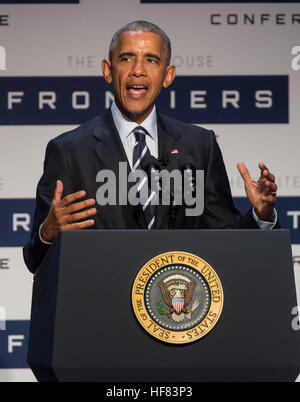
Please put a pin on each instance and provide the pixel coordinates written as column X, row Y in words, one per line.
column 77, row 156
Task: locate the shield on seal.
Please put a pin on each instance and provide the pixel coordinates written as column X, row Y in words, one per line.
column 178, row 305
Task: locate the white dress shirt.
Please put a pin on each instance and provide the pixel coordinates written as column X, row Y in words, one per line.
column 125, row 129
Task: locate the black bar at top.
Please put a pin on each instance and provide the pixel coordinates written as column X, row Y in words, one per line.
column 39, row 2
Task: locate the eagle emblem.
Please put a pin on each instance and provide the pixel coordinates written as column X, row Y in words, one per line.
column 177, row 291
column 177, row 297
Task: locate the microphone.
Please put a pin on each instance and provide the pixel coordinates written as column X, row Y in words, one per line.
column 165, row 159
column 186, row 165
column 152, row 167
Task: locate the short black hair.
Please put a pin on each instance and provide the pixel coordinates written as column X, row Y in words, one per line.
column 141, row 26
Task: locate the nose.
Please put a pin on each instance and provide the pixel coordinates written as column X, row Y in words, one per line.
column 138, row 69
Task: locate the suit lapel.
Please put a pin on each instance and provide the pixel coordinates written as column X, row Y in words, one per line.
column 167, row 139
column 109, row 149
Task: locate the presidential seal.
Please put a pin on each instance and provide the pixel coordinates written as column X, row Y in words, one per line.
column 177, row 297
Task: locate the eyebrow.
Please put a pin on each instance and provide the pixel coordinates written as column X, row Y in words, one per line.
column 154, row 56
column 125, row 54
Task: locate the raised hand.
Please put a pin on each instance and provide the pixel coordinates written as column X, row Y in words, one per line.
column 65, row 213
column 262, row 193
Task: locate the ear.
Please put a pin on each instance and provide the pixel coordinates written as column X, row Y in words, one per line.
column 106, row 70
column 169, row 76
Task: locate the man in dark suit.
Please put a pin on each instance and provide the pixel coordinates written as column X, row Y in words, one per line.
column 138, row 67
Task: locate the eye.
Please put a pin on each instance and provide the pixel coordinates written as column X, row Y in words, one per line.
column 172, row 292
column 152, row 61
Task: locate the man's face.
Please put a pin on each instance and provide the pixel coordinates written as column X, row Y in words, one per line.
column 138, row 71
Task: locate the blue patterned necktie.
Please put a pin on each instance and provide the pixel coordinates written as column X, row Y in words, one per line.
column 139, row 152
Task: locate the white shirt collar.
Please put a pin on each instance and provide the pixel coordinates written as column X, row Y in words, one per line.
column 125, row 126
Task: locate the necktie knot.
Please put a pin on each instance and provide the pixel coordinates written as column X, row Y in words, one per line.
column 140, row 134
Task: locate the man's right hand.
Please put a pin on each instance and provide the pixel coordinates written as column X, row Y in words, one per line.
column 65, row 213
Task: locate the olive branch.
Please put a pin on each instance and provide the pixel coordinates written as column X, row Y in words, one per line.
column 160, row 307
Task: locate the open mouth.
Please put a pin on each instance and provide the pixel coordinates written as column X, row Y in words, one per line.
column 137, row 90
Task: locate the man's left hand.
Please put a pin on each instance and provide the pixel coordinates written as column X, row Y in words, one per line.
column 261, row 193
